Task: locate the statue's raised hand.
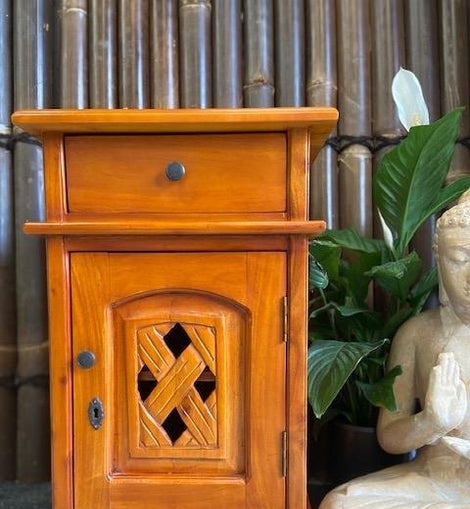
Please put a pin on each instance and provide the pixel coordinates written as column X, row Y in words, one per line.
column 446, row 399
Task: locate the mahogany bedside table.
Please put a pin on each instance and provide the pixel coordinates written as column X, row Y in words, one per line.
column 177, row 284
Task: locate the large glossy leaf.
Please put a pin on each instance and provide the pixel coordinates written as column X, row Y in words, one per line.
column 449, row 194
column 343, row 310
column 420, row 292
column 397, row 277
column 380, row 393
column 411, row 175
column 328, row 255
column 396, row 321
column 350, row 239
column 317, row 278
column 330, row 363
column 355, row 272
column 366, row 327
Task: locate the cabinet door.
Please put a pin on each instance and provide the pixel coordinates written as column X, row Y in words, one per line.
column 190, row 372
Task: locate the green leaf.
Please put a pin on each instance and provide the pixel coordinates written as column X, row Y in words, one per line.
column 318, row 278
column 318, row 311
column 448, row 195
column 350, row 239
column 356, row 275
column 420, row 292
column 366, row 327
column 397, row 277
column 330, row 363
column 350, row 310
column 410, row 176
column 394, row 323
column 427, row 282
column 328, row 255
column 380, row 393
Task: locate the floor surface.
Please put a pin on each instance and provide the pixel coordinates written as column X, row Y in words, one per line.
column 15, row 495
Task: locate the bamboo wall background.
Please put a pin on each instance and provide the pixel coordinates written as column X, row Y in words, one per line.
column 200, row 54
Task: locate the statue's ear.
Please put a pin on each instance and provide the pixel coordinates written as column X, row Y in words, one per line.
column 443, row 297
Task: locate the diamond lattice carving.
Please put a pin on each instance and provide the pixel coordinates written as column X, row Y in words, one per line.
column 176, row 385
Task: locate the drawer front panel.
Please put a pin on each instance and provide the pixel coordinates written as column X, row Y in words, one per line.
column 227, row 173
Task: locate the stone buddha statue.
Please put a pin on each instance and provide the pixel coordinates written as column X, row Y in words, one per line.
column 432, row 394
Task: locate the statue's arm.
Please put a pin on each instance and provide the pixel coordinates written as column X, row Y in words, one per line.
column 445, row 404
column 400, row 432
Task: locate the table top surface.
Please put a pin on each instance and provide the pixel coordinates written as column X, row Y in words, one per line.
column 319, row 120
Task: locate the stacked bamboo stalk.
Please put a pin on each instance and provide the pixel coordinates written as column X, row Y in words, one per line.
column 355, row 162
column 74, row 54
column 258, row 75
column 195, row 53
column 322, row 90
column 388, row 55
column 133, row 37
column 164, row 44
column 289, row 22
column 32, row 32
column 227, row 49
column 422, row 56
column 453, row 16
column 7, row 259
column 102, row 52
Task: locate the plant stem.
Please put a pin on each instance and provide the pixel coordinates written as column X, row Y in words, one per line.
column 330, row 313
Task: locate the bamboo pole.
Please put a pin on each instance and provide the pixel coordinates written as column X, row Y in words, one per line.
column 322, row 90
column 258, row 87
column 289, row 52
column 133, row 37
column 195, row 53
column 164, row 71
column 32, row 79
column 388, row 55
column 73, row 54
column 227, row 48
column 355, row 163
column 102, row 53
column 453, row 16
column 8, row 356
column 422, row 56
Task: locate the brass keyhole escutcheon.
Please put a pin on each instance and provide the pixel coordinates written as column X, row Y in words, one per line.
column 95, row 413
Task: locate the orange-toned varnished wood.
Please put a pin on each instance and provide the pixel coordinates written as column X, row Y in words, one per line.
column 175, row 228
column 224, row 172
column 60, row 369
column 128, row 292
column 133, row 262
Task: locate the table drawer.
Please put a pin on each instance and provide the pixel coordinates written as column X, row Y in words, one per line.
column 225, row 173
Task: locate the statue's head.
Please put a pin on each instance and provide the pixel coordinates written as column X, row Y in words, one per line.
column 453, row 255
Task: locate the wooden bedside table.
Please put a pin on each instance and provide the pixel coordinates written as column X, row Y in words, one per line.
column 177, row 273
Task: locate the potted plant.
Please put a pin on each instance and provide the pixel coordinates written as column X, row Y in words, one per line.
column 349, row 338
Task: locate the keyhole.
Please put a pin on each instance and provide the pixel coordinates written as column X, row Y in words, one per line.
column 95, row 413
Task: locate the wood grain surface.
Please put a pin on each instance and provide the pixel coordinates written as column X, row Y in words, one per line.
column 224, row 173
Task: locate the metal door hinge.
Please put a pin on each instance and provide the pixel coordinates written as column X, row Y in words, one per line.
column 286, row 319
column 284, row 453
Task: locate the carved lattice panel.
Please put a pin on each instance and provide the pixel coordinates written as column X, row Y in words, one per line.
column 176, row 385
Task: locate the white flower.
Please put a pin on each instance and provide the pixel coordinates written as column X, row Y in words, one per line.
column 408, row 97
column 388, row 235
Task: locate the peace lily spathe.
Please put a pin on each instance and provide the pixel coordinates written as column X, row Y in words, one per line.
column 409, row 99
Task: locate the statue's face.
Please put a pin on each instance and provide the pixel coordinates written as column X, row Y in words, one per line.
column 453, row 247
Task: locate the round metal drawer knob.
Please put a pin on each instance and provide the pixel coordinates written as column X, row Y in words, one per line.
column 86, row 359
column 175, row 171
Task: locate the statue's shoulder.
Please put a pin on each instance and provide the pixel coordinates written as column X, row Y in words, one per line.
column 426, row 324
